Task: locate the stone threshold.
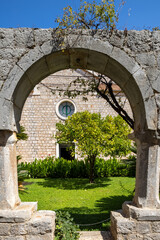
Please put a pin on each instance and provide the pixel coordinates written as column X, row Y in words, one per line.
column 95, row 235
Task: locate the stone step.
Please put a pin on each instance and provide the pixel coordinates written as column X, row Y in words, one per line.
column 95, row 235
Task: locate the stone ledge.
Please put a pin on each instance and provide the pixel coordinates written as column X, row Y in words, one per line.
column 21, row 213
column 140, row 214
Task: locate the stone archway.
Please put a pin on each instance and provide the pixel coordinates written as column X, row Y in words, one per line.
column 99, row 54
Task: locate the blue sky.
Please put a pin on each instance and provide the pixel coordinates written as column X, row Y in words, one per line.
column 136, row 14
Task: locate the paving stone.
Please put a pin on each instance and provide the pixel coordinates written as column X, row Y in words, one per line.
column 48, row 236
column 95, row 235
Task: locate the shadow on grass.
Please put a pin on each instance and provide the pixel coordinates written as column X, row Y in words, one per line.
column 72, row 183
column 85, row 216
column 112, row 203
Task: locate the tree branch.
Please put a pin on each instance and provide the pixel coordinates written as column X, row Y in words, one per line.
column 115, row 105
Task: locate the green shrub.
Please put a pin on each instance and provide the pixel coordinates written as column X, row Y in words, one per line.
column 131, row 163
column 62, row 168
column 65, row 228
column 21, row 173
column 56, row 168
column 110, row 168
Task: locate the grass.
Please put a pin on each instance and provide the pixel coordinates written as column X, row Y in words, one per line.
column 87, row 203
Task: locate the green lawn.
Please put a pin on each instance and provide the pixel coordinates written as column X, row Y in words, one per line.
column 87, row 203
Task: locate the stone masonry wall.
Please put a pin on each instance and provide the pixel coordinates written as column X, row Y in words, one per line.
column 39, row 115
column 26, row 223
column 123, row 228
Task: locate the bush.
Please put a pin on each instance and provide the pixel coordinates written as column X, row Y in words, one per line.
column 56, row 168
column 131, row 163
column 62, row 168
column 65, row 228
column 110, row 168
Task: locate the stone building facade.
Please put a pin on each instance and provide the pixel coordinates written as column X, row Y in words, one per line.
column 40, row 114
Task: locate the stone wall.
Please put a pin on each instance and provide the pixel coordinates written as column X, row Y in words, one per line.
column 131, row 229
column 133, row 223
column 39, row 115
column 25, row 223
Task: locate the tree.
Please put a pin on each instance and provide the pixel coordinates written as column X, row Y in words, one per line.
column 90, row 15
column 22, row 135
column 94, row 136
column 93, row 15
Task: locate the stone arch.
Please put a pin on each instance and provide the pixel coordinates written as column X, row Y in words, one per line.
column 42, row 55
column 87, row 53
column 102, row 57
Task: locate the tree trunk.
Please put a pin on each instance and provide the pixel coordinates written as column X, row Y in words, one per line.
column 92, row 163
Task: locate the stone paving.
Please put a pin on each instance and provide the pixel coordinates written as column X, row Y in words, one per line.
column 95, row 235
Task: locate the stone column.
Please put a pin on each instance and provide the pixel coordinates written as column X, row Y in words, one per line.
column 9, row 198
column 147, row 171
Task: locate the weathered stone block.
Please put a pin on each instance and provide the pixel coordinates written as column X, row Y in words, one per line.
column 47, row 47
column 18, row 229
column 123, row 58
column 78, row 59
column 147, row 59
column 24, row 37
column 140, row 214
column 143, row 227
column 117, row 39
column 10, row 84
column 58, row 61
column 21, row 213
column 135, row 237
column 152, row 236
column 126, row 227
column 6, row 37
column 102, row 47
column 4, row 229
column 42, row 35
column 156, row 227
column 40, row 225
column 38, row 71
column 30, row 58
column 123, row 225
column 143, row 83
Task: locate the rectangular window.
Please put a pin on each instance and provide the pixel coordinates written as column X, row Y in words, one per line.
column 62, row 151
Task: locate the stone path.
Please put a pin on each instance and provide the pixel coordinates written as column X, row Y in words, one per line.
column 95, row 235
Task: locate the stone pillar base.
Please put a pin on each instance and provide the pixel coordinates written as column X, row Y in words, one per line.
column 135, row 224
column 25, row 223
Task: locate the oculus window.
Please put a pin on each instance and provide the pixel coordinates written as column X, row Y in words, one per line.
column 65, row 108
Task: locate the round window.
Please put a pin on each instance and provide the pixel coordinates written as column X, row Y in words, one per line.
column 65, row 108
